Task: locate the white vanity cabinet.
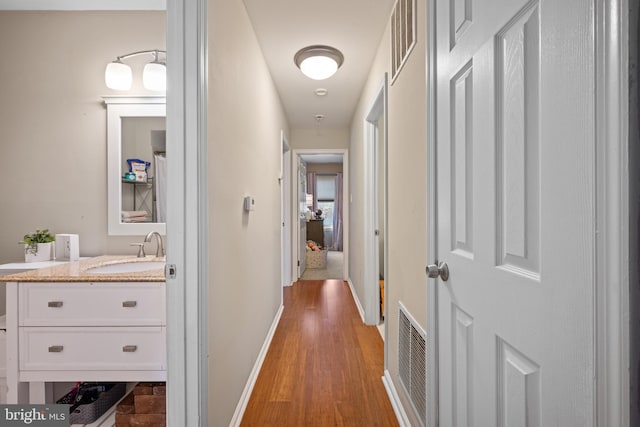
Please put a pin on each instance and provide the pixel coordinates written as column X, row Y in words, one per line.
column 83, row 331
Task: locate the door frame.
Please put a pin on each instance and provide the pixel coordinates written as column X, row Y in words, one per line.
column 611, row 258
column 345, row 205
column 285, row 213
column 187, row 230
column 377, row 110
column 187, row 376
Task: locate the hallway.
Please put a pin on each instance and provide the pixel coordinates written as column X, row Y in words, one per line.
column 324, row 366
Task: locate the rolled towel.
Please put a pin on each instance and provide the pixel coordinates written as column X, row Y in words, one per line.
column 136, row 219
column 133, row 214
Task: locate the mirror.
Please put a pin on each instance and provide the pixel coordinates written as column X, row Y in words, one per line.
column 136, row 165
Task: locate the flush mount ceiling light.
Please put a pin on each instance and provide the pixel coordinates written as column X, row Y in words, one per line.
column 118, row 75
column 318, row 62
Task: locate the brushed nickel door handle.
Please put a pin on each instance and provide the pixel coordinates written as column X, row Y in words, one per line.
column 56, row 348
column 129, row 348
column 441, row 270
column 54, row 304
column 129, row 304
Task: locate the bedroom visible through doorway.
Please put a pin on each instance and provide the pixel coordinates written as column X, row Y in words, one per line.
column 324, row 214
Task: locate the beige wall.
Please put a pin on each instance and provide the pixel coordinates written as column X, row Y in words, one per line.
column 319, row 138
column 53, row 122
column 357, row 167
column 407, row 180
column 245, row 119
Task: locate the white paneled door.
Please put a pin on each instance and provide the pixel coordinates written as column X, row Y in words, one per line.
column 516, row 212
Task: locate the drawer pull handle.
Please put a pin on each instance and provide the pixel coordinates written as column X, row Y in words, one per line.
column 55, row 304
column 56, row 349
column 129, row 304
column 129, row 348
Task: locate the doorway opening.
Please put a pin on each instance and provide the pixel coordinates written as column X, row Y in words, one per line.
column 322, row 210
column 376, row 210
column 285, row 211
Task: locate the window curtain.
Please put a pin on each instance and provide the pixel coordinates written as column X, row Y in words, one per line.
column 311, row 189
column 337, row 215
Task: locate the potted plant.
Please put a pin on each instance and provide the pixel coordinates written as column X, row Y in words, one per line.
column 38, row 246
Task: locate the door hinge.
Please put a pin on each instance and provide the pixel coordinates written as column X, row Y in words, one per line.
column 298, row 263
column 377, row 232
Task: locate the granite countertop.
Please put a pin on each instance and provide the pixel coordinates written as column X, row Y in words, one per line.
column 76, row 271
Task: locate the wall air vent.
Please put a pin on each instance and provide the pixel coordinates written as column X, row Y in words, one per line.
column 413, row 362
column 403, row 34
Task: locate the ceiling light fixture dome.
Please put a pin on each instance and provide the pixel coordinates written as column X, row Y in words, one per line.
column 318, row 62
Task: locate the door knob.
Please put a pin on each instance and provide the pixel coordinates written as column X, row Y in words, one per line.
column 441, row 270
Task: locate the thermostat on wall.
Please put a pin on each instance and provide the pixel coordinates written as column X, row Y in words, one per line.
column 249, row 203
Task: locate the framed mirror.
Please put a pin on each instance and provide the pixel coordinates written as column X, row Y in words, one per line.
column 136, row 165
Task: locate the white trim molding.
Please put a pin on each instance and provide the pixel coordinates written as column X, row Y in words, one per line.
column 377, row 110
column 394, row 398
column 432, row 229
column 187, row 216
column 612, row 214
column 253, row 376
column 354, row 294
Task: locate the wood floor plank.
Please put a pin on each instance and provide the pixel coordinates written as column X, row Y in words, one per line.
column 324, row 366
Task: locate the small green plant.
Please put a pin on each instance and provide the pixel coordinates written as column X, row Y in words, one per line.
column 31, row 240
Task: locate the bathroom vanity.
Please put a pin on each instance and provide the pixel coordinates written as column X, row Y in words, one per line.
column 100, row 319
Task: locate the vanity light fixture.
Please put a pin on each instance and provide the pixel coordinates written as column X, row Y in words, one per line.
column 118, row 75
column 318, row 62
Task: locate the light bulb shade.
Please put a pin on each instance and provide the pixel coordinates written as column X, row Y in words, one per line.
column 118, row 76
column 318, row 67
column 318, row 62
column 154, row 76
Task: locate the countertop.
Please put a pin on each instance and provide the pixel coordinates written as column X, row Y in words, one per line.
column 76, row 271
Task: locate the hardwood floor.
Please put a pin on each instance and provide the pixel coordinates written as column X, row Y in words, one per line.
column 324, row 366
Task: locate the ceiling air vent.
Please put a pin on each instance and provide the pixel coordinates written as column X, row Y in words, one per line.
column 413, row 362
column 403, row 34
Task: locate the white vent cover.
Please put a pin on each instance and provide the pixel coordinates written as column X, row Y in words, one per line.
column 403, row 34
column 413, row 362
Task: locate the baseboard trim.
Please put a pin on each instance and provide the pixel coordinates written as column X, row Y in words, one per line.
column 401, row 415
column 356, row 300
column 253, row 377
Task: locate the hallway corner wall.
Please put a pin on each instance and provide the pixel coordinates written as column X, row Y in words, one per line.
column 245, row 119
column 405, row 280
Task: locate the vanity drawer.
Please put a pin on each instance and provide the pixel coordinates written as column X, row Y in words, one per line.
column 92, row 349
column 92, row 304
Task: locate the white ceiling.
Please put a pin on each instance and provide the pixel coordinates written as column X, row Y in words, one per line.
column 283, row 27
column 354, row 27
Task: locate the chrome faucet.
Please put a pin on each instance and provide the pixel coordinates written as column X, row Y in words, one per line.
column 160, row 245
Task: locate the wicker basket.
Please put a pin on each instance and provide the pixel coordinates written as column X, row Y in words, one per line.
column 317, row 259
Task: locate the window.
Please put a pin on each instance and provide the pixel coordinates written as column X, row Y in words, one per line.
column 325, row 196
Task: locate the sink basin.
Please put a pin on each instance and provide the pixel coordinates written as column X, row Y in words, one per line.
column 126, row 267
